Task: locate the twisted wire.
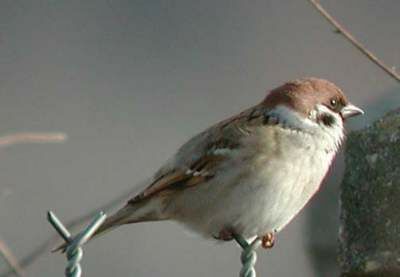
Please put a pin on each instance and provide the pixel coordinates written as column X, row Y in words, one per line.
column 248, row 256
column 74, row 251
column 74, row 256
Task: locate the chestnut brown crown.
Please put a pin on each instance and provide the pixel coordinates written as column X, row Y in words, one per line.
column 304, row 95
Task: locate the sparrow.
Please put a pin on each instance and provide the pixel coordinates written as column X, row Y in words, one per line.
column 252, row 173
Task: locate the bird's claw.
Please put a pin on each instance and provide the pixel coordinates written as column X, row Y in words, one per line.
column 268, row 241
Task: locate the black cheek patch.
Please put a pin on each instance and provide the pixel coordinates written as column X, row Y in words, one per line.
column 327, row 119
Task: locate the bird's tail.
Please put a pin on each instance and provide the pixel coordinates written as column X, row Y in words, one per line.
column 130, row 213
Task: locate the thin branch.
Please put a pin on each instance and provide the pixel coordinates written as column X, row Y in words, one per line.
column 31, row 138
column 9, row 140
column 354, row 41
column 11, row 260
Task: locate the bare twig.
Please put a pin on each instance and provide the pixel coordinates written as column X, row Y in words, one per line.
column 32, row 138
column 11, row 260
column 354, row 41
column 9, row 140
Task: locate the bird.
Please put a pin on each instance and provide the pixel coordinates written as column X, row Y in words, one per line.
column 252, row 173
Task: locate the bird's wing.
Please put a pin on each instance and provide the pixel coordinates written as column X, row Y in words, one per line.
column 200, row 158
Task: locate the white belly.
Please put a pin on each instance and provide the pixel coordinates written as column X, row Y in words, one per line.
column 261, row 194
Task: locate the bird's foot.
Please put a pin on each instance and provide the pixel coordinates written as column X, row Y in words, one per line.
column 225, row 234
column 268, row 240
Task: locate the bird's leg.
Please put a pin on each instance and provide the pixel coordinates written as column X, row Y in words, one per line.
column 225, row 234
column 268, row 240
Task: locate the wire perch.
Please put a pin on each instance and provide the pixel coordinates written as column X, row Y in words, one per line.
column 248, row 256
column 74, row 251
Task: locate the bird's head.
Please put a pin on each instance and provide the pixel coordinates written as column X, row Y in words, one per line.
column 314, row 106
column 314, row 100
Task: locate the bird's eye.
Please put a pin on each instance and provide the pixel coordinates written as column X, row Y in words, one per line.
column 334, row 103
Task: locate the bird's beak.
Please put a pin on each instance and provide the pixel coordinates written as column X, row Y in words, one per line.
column 350, row 110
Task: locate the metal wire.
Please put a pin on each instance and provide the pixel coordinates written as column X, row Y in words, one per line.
column 248, row 256
column 74, row 251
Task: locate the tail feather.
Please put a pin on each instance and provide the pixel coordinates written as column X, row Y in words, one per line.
column 137, row 212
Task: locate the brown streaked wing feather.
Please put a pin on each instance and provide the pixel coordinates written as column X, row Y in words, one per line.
column 174, row 177
column 181, row 179
column 222, row 135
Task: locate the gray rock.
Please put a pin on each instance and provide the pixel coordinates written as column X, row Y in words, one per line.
column 370, row 201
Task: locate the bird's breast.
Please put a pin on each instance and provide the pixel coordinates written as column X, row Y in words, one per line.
column 287, row 169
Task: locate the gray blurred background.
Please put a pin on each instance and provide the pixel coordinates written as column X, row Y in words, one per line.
column 129, row 81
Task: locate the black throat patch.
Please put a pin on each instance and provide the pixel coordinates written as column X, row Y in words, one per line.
column 326, row 119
